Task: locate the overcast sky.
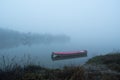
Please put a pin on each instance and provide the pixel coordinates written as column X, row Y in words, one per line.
column 89, row 18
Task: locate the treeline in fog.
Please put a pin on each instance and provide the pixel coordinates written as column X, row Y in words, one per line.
column 10, row 38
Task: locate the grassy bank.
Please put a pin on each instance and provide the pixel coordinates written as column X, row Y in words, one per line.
column 97, row 68
column 36, row 72
column 111, row 60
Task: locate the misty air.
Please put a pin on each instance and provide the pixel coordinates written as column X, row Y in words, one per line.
column 59, row 40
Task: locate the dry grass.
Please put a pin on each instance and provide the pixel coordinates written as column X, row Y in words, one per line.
column 15, row 71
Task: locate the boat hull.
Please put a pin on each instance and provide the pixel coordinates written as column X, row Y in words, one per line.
column 68, row 55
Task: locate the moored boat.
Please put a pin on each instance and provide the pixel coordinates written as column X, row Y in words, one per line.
column 68, row 55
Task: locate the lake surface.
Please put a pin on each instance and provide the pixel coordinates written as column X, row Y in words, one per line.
column 41, row 53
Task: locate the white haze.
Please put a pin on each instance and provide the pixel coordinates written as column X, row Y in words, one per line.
column 92, row 24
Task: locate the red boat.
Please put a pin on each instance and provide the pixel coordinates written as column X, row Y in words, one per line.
column 68, row 55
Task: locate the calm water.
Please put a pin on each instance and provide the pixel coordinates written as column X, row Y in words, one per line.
column 42, row 53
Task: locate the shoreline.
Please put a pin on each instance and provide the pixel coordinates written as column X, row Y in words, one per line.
column 103, row 67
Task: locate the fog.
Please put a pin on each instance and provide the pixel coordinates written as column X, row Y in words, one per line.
column 90, row 24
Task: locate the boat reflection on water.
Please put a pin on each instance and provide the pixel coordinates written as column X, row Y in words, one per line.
column 68, row 55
